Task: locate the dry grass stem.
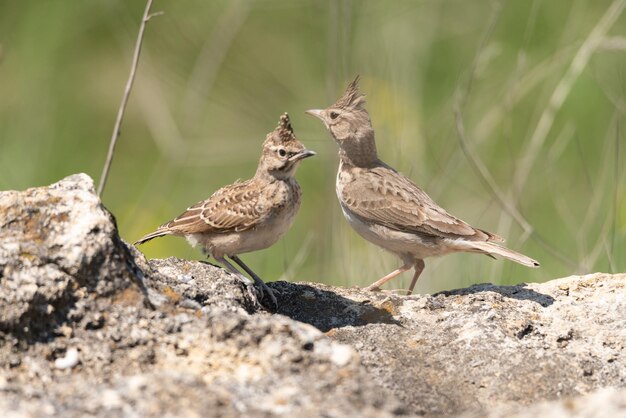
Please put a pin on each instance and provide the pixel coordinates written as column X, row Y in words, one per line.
column 616, row 184
column 485, row 176
column 499, row 196
column 563, row 89
column 613, row 43
column 129, row 85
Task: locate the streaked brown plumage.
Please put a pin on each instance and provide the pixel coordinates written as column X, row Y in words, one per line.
column 250, row 215
column 387, row 208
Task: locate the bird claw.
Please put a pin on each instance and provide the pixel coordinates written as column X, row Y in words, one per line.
column 257, row 289
column 253, row 292
column 262, row 290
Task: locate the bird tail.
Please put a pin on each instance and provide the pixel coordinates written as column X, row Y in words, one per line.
column 494, row 249
column 155, row 234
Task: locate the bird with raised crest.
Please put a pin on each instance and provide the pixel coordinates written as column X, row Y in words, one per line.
column 388, row 209
column 249, row 215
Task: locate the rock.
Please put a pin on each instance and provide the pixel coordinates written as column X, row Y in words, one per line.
column 88, row 326
column 599, row 404
column 196, row 285
column 476, row 348
column 68, row 361
column 56, row 243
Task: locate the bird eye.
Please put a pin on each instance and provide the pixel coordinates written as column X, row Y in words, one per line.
column 282, row 152
column 333, row 115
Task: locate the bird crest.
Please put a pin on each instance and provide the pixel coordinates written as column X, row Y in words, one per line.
column 283, row 132
column 352, row 98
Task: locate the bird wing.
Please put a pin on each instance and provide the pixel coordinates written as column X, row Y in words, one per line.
column 234, row 208
column 382, row 195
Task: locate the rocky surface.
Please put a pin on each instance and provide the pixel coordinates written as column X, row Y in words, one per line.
column 603, row 403
column 56, row 245
column 104, row 332
column 88, row 326
column 476, row 348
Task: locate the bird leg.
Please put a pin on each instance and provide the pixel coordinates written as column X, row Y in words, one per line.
column 419, row 267
column 374, row 287
column 260, row 283
column 249, row 283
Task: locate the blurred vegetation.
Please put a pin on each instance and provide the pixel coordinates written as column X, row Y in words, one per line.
column 214, row 76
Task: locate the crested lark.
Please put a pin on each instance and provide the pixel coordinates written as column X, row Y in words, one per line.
column 388, row 209
column 250, row 215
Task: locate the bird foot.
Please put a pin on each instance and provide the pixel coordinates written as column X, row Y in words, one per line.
column 258, row 290
column 251, row 289
column 372, row 288
column 262, row 290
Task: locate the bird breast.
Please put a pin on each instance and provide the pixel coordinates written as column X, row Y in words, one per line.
column 284, row 197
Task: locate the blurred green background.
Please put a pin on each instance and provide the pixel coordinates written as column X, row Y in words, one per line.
column 537, row 87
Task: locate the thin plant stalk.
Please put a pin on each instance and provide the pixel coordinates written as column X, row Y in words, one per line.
column 129, row 85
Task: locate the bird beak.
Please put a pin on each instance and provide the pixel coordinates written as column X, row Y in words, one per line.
column 302, row 155
column 315, row 112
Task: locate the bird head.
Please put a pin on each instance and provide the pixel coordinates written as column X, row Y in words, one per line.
column 349, row 124
column 282, row 152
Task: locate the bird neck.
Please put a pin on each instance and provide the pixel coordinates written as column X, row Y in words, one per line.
column 265, row 174
column 359, row 150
